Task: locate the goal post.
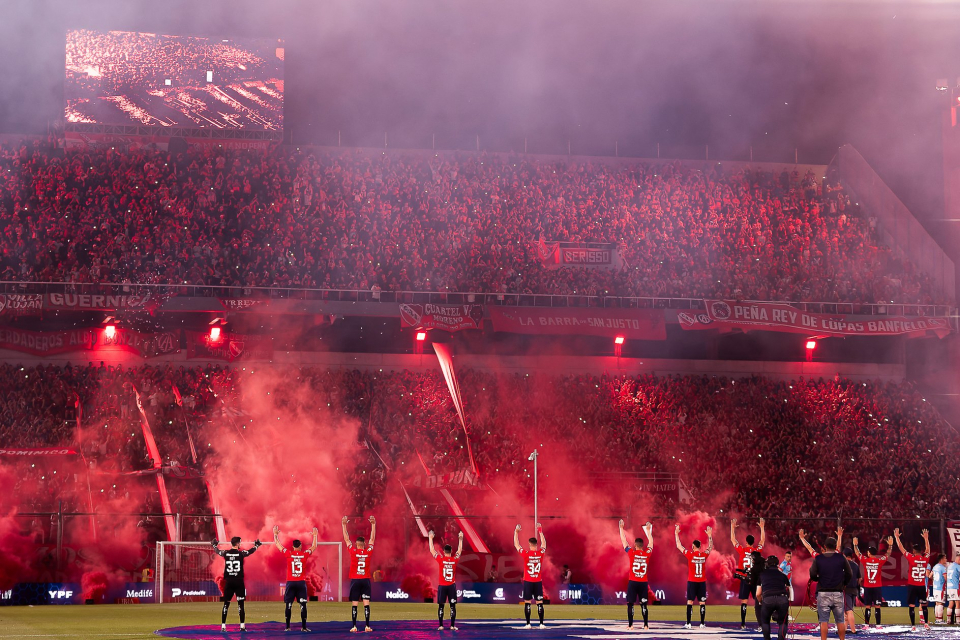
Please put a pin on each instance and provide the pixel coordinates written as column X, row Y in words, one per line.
column 188, row 570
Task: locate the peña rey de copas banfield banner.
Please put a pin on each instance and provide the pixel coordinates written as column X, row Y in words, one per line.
column 730, row 315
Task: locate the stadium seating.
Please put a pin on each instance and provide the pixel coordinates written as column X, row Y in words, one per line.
column 465, row 222
column 771, row 444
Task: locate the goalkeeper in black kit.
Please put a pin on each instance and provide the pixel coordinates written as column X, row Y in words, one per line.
column 233, row 578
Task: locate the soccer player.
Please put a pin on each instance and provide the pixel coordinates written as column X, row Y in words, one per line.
column 532, row 563
column 360, row 573
column 917, row 578
column 872, row 578
column 953, row 588
column 939, row 575
column 447, row 586
column 296, row 589
column 639, row 556
column 744, row 565
column 786, row 568
column 696, row 575
column 233, row 578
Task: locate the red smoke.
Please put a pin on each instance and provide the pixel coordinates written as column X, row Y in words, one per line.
column 418, row 586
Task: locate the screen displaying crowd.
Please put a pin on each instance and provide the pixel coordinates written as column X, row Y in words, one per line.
column 120, row 77
column 463, row 222
column 793, row 449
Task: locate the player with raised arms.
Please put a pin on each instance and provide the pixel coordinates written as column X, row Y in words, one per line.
column 447, row 585
column 233, row 578
column 872, row 578
column 696, row 575
column 296, row 589
column 532, row 565
column 639, row 557
column 360, row 586
column 744, row 565
column 917, row 577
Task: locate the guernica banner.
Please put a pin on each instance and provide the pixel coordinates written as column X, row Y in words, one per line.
column 556, row 255
column 449, row 317
column 728, row 315
column 95, row 301
column 634, row 324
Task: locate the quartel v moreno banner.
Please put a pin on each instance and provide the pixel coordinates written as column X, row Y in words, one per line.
column 729, row 315
column 634, row 324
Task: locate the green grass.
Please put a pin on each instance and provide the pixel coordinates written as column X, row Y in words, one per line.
column 129, row 622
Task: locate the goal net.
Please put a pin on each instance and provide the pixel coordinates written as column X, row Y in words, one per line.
column 188, row 571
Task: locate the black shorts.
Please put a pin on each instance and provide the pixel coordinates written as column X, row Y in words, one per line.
column 872, row 596
column 360, row 589
column 296, row 591
column 746, row 591
column 447, row 593
column 916, row 595
column 636, row 591
column 532, row 591
column 234, row 588
column 697, row 591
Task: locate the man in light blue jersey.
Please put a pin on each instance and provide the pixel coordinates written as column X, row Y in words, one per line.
column 953, row 589
column 939, row 576
column 786, row 568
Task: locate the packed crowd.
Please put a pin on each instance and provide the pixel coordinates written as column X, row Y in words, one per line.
column 465, row 222
column 803, row 449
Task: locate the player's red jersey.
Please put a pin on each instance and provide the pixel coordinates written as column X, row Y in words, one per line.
column 448, row 569
column 871, row 570
column 696, row 563
column 532, row 563
column 744, row 559
column 918, row 569
column 295, row 560
column 360, row 562
column 639, row 562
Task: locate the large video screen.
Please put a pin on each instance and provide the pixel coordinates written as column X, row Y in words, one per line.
column 124, row 77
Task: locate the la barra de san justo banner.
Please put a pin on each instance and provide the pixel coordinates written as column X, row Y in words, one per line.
column 634, row 324
column 449, row 317
column 728, row 315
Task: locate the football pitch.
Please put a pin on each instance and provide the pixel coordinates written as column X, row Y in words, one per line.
column 394, row 620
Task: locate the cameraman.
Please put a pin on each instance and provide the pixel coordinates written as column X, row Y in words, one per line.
column 773, row 594
column 753, row 581
column 832, row 573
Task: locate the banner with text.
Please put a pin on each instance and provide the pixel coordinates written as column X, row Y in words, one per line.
column 21, row 304
column 728, row 315
column 556, row 255
column 229, row 347
column 37, row 452
column 634, row 324
column 449, row 317
column 243, row 304
column 148, row 345
column 462, row 479
column 93, row 301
